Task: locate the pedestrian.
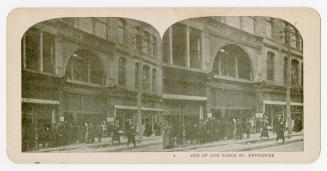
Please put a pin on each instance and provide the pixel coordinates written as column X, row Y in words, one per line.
column 99, row 131
column 280, row 129
column 91, row 133
column 238, row 128
column 169, row 141
column 147, row 129
column 131, row 132
column 115, row 133
column 264, row 132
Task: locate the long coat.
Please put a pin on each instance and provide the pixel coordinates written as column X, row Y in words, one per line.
column 168, row 139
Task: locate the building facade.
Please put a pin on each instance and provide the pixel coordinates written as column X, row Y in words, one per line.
column 233, row 67
column 100, row 69
column 90, row 70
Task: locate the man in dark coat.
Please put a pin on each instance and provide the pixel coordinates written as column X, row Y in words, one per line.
column 131, row 132
column 264, row 132
column 115, row 133
column 280, row 129
column 147, row 129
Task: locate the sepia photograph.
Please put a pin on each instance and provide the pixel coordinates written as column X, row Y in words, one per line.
column 211, row 84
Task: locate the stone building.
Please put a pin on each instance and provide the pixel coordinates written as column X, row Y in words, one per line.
column 90, row 70
column 231, row 67
column 97, row 69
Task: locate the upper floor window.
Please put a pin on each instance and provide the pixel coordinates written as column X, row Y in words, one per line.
column 291, row 36
column 154, row 80
column 195, row 49
column 38, row 51
column 233, row 61
column 233, row 21
column 146, row 78
column 86, row 67
column 122, row 71
column 179, row 44
column 137, row 72
column 248, row 24
column 154, row 46
column 121, row 31
column 294, row 72
column 270, row 66
column 268, row 27
column 100, row 27
column 69, row 20
column 285, row 66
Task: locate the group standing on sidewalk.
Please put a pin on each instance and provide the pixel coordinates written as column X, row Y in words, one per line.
column 213, row 129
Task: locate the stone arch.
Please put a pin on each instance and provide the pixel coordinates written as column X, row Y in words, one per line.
column 226, row 57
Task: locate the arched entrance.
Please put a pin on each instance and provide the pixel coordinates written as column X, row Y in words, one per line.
column 232, row 95
column 84, row 98
column 232, row 61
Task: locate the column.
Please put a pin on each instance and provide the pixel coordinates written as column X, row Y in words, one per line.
column 187, row 53
column 236, row 66
column 299, row 74
column 170, row 34
column 41, row 51
column 150, row 79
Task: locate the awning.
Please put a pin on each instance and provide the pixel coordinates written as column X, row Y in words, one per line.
column 281, row 103
column 40, row 101
column 184, row 97
column 135, row 108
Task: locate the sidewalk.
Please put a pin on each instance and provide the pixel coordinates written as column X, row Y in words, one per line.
column 241, row 145
column 105, row 143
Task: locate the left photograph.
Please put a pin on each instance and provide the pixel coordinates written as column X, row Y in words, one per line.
column 89, row 83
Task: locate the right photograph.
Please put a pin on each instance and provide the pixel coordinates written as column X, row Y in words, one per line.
column 233, row 83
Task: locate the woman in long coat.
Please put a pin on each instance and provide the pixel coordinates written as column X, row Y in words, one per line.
column 115, row 133
column 168, row 137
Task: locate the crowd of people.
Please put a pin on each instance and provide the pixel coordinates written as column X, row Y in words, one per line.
column 173, row 133
column 64, row 133
column 214, row 129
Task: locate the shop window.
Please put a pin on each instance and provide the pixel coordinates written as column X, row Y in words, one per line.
column 122, row 71
column 270, row 66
